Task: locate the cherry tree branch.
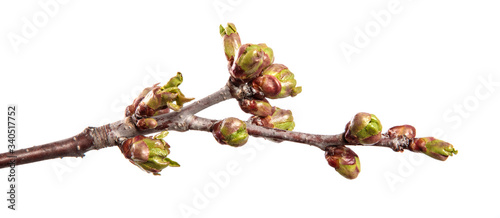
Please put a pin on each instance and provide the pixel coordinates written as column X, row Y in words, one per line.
column 113, row 134
column 254, row 79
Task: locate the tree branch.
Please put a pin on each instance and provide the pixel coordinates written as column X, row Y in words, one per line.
column 94, row 138
column 113, row 134
column 71, row 147
column 319, row 141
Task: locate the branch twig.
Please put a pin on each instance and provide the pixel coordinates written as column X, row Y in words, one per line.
column 113, row 134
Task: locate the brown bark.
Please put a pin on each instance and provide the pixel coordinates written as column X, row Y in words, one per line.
column 71, row 147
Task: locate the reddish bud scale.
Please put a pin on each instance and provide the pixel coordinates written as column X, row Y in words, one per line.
column 339, row 155
column 217, row 133
column 146, row 110
column 280, row 119
column 125, row 146
column 269, row 85
column 406, row 130
column 139, row 152
column 130, row 110
column 146, row 123
column 256, row 107
column 418, row 145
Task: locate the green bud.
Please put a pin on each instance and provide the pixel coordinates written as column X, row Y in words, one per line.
column 231, row 131
column 277, row 81
column 251, row 60
column 435, row 148
column 161, row 99
column 406, row 130
column 344, row 160
column 280, row 119
column 364, row 128
column 256, row 107
column 149, row 154
column 231, row 40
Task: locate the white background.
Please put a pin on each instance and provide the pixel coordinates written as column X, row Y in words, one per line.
column 423, row 66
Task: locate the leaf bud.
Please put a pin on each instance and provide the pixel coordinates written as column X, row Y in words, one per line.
column 364, row 128
column 277, row 81
column 231, row 41
column 435, row 148
column 149, row 154
column 251, row 60
column 344, row 160
column 231, row 131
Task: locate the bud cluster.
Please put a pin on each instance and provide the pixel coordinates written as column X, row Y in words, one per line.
column 252, row 65
column 150, row 153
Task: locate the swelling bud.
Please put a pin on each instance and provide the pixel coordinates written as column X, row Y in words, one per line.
column 364, row 128
column 230, row 131
column 435, row 148
column 148, row 153
column 160, row 100
column 404, row 130
column 231, row 41
column 277, row 81
column 251, row 60
column 344, row 160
